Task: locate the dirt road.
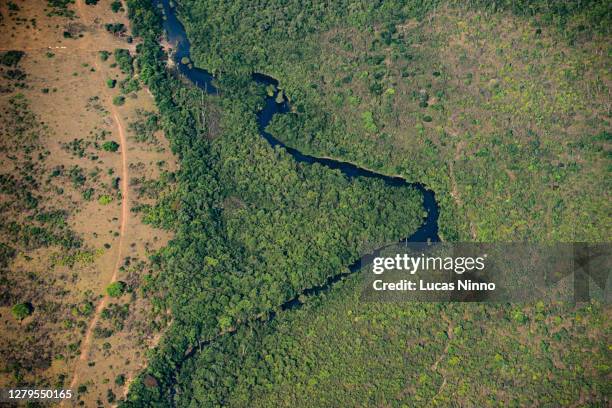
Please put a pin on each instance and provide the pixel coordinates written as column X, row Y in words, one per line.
column 123, row 220
column 86, row 343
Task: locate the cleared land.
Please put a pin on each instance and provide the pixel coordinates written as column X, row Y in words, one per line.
column 81, row 150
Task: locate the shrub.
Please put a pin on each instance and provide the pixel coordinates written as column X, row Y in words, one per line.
column 76, row 176
column 102, row 333
column 115, row 6
column 111, row 83
column 519, row 317
column 110, row 396
column 120, row 380
column 6, row 255
column 104, row 55
column 115, row 289
column 87, row 194
column 22, row 310
column 125, row 60
column 368, row 122
column 110, row 146
column 129, row 85
column 11, row 58
column 105, row 199
column 119, row 100
column 115, row 28
column 145, row 126
column 86, row 309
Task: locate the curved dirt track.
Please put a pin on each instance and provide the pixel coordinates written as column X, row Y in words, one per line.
column 123, row 221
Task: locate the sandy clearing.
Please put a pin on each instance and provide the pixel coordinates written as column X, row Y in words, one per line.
column 86, row 344
column 123, row 220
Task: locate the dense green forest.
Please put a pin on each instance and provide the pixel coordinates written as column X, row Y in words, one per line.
column 339, row 351
column 501, row 107
column 367, row 84
column 253, row 228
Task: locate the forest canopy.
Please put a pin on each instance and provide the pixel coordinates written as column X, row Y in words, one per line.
column 495, row 105
column 253, row 227
column 384, row 85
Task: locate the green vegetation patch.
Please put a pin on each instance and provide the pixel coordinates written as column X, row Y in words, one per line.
column 339, row 351
column 481, row 103
column 22, row 310
column 370, row 84
column 119, row 100
column 116, row 289
column 124, row 60
column 116, row 6
column 61, row 8
column 145, row 126
column 248, row 219
column 11, row 58
column 110, row 146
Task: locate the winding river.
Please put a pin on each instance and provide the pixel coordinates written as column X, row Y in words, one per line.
column 427, row 232
column 201, row 78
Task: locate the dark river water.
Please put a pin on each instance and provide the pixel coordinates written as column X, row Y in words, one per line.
column 201, row 78
column 427, row 232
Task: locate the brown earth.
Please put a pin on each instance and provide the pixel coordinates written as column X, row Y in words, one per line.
column 66, row 91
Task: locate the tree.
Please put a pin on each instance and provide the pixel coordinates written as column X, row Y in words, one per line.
column 115, row 6
column 120, row 380
column 115, row 289
column 115, row 28
column 124, row 60
column 110, row 146
column 22, row 310
column 119, row 100
column 11, row 58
